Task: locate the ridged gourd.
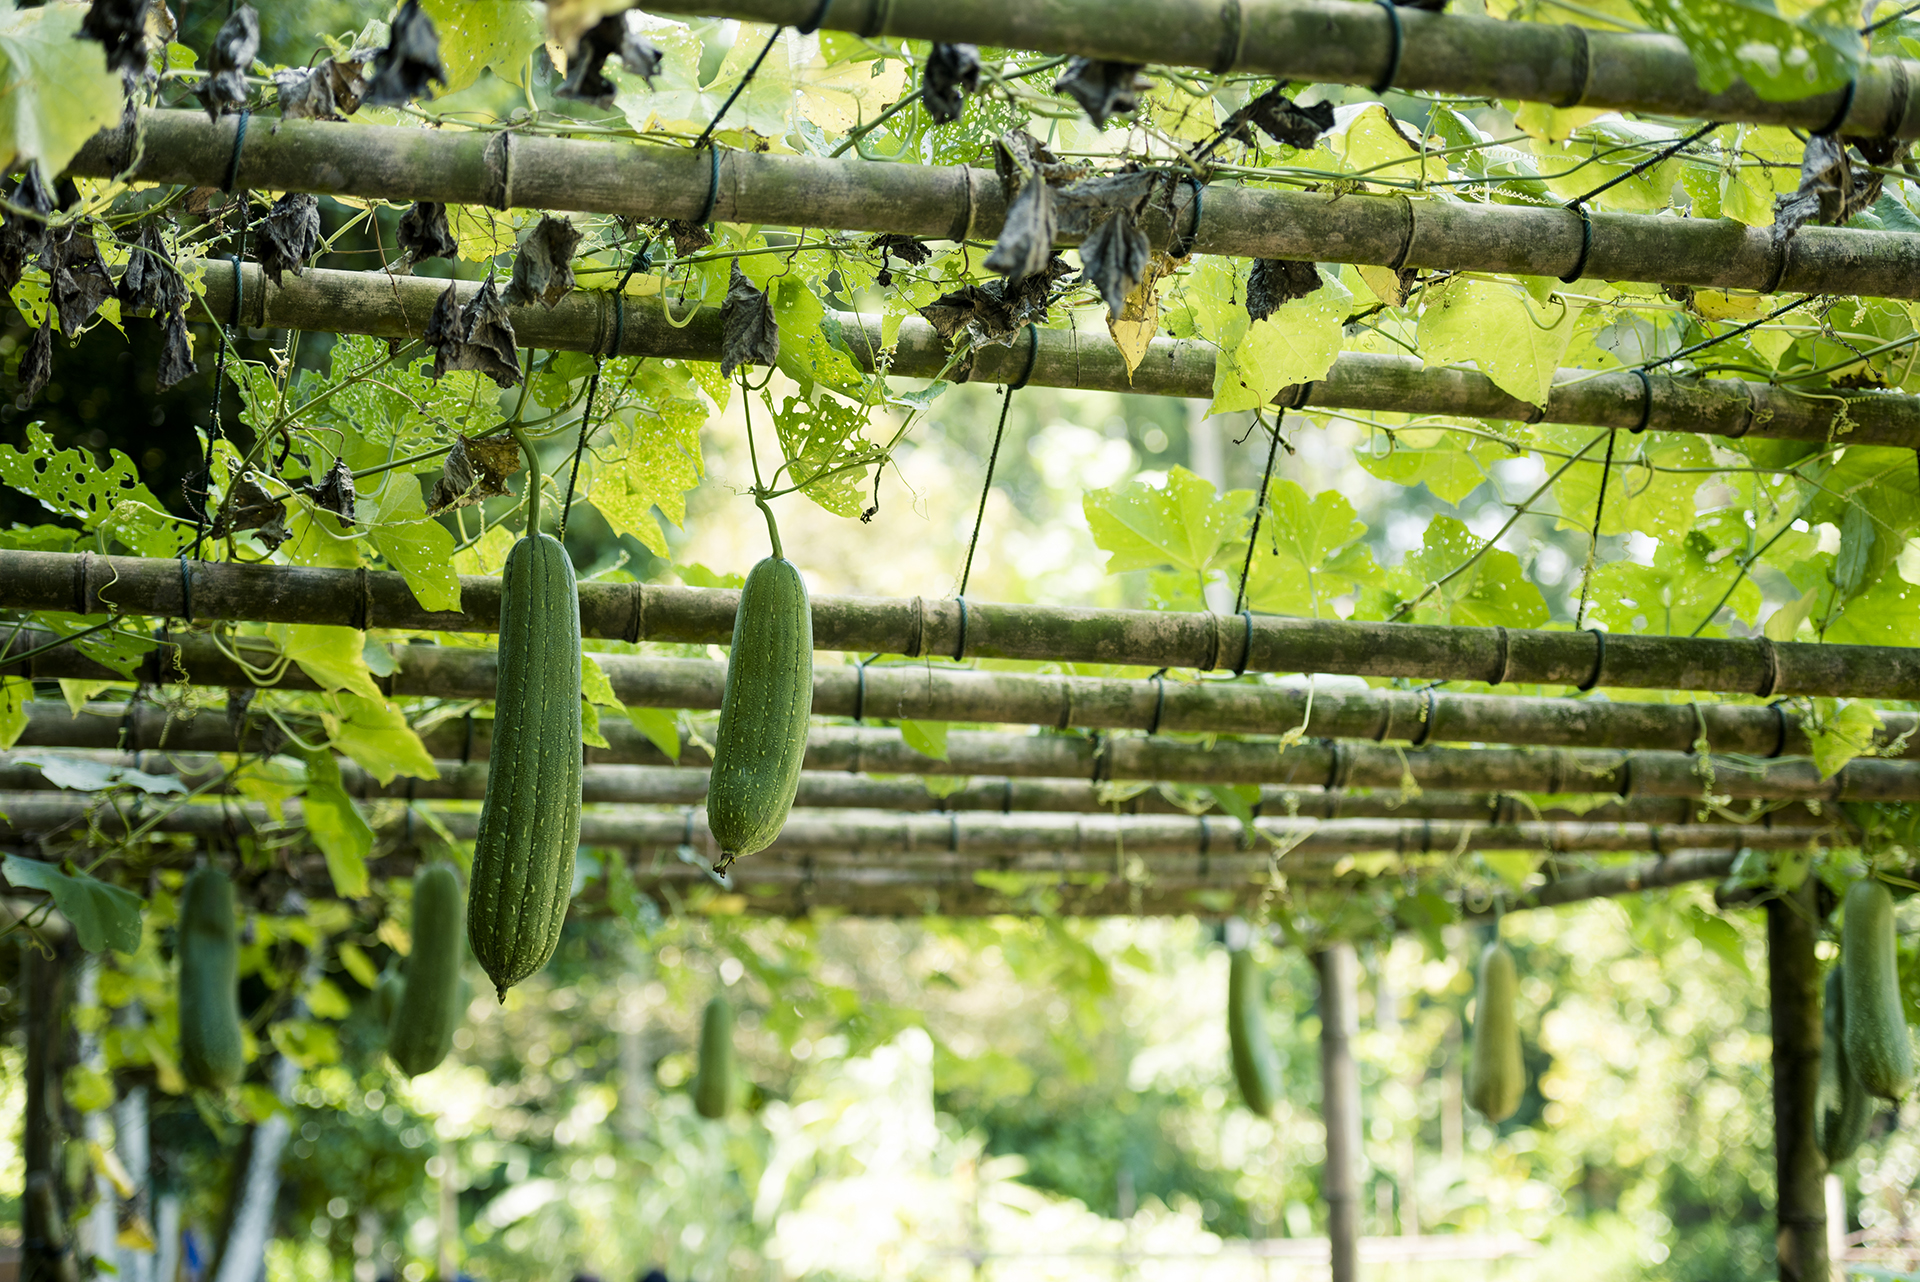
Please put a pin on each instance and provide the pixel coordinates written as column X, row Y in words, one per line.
column 1256, row 1067
column 530, row 820
column 1846, row 1106
column 1878, row 1045
column 713, row 1084
column 212, row 1048
column 1496, row 1075
column 763, row 713
column 430, row 1005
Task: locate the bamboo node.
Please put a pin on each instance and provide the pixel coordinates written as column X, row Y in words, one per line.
column 1583, row 63
column 1771, row 653
column 1233, row 39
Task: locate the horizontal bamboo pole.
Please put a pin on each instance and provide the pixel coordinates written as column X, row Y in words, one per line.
column 1331, row 764
column 918, row 626
column 955, row 203
column 923, row 692
column 1361, row 44
column 687, row 786
column 986, row 842
column 398, row 307
column 800, row 890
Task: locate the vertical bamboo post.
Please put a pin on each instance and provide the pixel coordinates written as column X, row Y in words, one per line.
column 1340, row 1105
column 45, row 1257
column 1793, row 982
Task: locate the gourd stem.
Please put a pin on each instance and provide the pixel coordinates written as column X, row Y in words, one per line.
column 533, row 481
column 773, row 531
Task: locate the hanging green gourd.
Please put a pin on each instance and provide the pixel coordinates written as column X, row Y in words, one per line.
column 1496, row 1075
column 1846, row 1106
column 763, row 712
column 530, row 820
column 713, row 1084
column 212, row 1047
column 1256, row 1068
column 430, row 1003
column 1878, row 1046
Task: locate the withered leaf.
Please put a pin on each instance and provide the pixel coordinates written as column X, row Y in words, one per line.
column 1017, row 154
column 543, row 267
column 1133, row 329
column 36, row 363
column 334, row 493
column 1286, row 121
column 1275, row 282
column 1102, row 89
column 991, row 314
column 1114, row 259
column 121, row 27
column 1026, row 239
column 176, row 352
column 478, row 336
column 475, row 470
column 250, row 507
column 150, row 282
column 952, row 71
column 908, row 249
column 688, row 236
column 234, row 48
column 289, row 233
column 1826, row 191
column 411, row 59
column 615, row 36
column 80, row 282
column 424, row 233
column 306, row 93
column 23, row 238
column 749, row 335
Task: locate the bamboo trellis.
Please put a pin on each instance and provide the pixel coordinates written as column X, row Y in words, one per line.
column 952, row 203
column 826, row 790
column 1377, row 46
column 929, row 693
column 918, row 626
column 398, row 307
column 1334, row 764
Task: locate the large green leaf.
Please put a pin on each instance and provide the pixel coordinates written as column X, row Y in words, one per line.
column 1676, row 593
column 412, row 542
column 654, row 457
column 1308, row 552
column 110, row 501
column 375, row 733
column 1298, row 343
column 337, row 827
column 1185, row 524
column 497, row 36
column 1752, row 40
column 103, row 916
column 1513, row 340
column 55, row 89
column 1492, row 590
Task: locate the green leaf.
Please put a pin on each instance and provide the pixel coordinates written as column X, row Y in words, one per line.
column 326, row 1001
column 928, row 738
column 1511, row 866
column 1494, row 590
column 498, row 36
column 337, row 827
column 819, row 437
column 88, row 1089
column 55, row 89
column 14, row 694
column 102, row 916
column 1308, row 552
column 1296, row 344
column 1450, row 464
column 375, row 733
column 1839, row 731
column 654, row 460
column 333, row 656
column 661, row 727
column 1495, row 326
column 1718, row 936
column 90, row 774
column 110, row 501
column 412, row 542
column 1657, row 503
column 356, row 963
column 1186, row 524
column 594, row 686
column 1750, row 40
column 1673, row 595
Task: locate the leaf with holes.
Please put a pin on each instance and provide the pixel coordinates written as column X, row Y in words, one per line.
column 108, row 501
column 1307, row 553
column 1780, row 57
column 1488, row 587
column 1186, row 524
column 653, row 461
column 822, row 442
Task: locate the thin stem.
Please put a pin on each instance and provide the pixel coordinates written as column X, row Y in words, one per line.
column 533, row 479
column 773, row 530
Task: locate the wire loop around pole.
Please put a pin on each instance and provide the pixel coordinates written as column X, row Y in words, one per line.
column 1586, row 246
column 713, row 183
column 239, row 141
column 1182, row 246
column 1396, row 47
column 1599, row 660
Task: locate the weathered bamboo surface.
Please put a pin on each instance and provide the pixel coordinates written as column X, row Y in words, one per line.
column 651, row 181
column 1356, row 44
column 1334, row 764
column 1626, row 879
column 687, row 786
column 929, row 693
column 1042, row 843
column 398, row 307
column 920, row 626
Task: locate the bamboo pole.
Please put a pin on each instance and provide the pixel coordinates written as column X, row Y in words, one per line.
column 918, row 626
column 1020, row 842
column 1341, row 43
column 1334, row 765
column 398, row 307
column 1338, row 969
column 687, row 786
column 1793, row 982
column 956, row 203
column 924, row 692
column 1624, row 879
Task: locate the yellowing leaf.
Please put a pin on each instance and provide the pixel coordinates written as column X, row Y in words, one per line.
column 1187, row 524
column 55, row 89
column 375, row 733
column 1298, row 343
column 485, row 35
column 334, row 657
column 1496, row 327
